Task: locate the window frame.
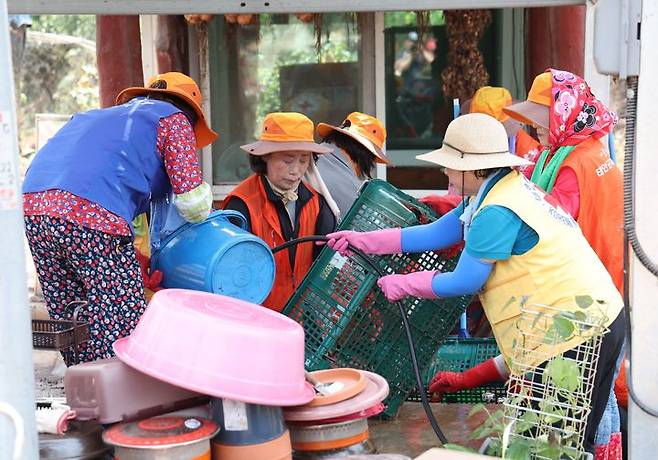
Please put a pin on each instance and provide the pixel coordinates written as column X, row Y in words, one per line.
column 373, row 84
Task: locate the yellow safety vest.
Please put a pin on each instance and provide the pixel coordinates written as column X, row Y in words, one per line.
column 141, row 227
column 142, row 244
column 558, row 268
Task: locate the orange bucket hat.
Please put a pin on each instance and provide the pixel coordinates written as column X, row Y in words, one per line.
column 491, row 100
column 363, row 128
column 285, row 131
column 183, row 87
column 534, row 110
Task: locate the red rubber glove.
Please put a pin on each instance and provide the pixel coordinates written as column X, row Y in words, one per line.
column 151, row 280
column 442, row 204
column 449, row 382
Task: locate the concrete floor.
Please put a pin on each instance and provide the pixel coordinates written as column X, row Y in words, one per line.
column 410, row 432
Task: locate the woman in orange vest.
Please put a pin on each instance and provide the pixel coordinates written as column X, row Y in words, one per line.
column 277, row 204
column 575, row 167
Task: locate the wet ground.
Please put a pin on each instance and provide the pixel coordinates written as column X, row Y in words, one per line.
column 410, row 432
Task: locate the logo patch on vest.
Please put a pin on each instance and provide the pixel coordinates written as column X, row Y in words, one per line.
column 605, row 167
column 549, row 203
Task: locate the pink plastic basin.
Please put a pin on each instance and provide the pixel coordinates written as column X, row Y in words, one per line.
column 375, row 392
column 219, row 346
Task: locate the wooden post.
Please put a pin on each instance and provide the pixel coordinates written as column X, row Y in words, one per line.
column 171, row 44
column 555, row 37
column 119, row 55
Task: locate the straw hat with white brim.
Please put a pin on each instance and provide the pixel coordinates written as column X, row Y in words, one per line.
column 285, row 132
column 472, row 142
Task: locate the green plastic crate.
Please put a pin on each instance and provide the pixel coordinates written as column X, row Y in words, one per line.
column 458, row 355
column 347, row 320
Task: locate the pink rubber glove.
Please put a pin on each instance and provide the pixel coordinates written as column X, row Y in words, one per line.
column 418, row 284
column 387, row 241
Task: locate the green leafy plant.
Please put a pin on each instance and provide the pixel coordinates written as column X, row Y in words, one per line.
column 549, row 424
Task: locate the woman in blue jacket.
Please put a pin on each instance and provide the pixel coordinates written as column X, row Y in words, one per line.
column 87, row 184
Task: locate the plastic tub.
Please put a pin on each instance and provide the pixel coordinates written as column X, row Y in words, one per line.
column 173, row 438
column 110, row 391
column 219, row 346
column 216, row 256
column 277, row 449
column 375, row 392
column 328, row 436
column 245, row 424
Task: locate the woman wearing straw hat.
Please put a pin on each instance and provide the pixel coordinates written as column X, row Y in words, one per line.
column 356, row 145
column 277, row 204
column 574, row 166
column 492, row 100
column 517, row 243
column 87, row 184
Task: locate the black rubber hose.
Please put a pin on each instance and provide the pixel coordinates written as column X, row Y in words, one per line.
column 405, row 323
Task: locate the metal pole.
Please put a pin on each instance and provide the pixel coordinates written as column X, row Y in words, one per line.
column 16, row 368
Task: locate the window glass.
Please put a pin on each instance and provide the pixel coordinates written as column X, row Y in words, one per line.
column 274, row 64
column 417, row 112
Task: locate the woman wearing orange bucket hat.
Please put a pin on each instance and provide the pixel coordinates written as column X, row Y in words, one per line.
column 278, row 204
column 356, row 145
column 576, row 169
column 85, row 187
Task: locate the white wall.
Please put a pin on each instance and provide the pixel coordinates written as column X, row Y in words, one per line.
column 644, row 287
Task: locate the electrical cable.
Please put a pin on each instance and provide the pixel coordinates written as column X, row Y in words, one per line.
column 516, row 79
column 631, row 235
column 405, row 323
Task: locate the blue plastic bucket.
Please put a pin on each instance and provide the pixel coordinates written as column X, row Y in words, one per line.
column 216, row 256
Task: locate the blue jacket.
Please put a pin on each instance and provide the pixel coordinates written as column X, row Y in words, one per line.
column 107, row 156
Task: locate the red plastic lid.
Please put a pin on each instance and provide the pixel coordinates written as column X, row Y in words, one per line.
column 160, row 432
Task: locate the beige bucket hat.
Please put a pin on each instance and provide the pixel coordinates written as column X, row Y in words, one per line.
column 474, row 141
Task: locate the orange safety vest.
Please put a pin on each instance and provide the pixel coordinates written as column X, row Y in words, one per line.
column 527, row 147
column 525, row 143
column 266, row 225
column 601, row 213
column 601, row 217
